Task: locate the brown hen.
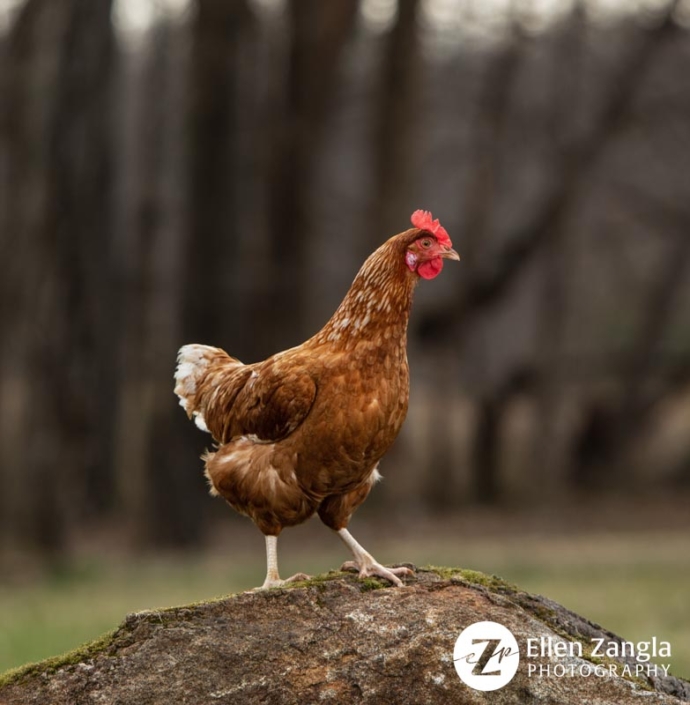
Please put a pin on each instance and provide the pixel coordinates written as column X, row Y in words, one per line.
column 303, row 431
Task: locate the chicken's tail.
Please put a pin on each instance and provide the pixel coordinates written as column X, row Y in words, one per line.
column 196, row 377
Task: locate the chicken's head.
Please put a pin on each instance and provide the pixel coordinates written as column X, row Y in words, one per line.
column 426, row 253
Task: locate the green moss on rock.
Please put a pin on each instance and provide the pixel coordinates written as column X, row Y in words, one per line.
column 51, row 665
column 472, row 577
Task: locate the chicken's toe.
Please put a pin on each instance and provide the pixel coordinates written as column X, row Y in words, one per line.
column 271, row 582
column 297, row 577
column 377, row 570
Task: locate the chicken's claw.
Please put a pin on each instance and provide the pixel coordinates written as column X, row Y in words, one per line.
column 297, row 578
column 377, row 570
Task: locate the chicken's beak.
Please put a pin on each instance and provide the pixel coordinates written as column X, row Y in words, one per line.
column 450, row 253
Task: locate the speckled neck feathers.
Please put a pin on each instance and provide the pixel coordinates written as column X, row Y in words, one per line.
column 377, row 306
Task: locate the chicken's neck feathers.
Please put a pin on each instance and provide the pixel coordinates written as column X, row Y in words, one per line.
column 377, row 306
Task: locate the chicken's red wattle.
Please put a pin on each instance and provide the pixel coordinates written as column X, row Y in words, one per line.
column 431, row 268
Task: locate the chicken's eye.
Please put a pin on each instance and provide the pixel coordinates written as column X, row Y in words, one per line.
column 426, row 243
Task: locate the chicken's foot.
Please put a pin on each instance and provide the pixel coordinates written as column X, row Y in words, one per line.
column 366, row 566
column 272, row 576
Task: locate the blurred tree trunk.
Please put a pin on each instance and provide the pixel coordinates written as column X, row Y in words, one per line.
column 551, row 450
column 487, row 450
column 440, row 482
column 662, row 305
column 217, row 30
column 603, row 446
column 57, row 312
column 490, row 126
column 159, row 475
column 395, row 123
column 488, row 442
column 319, row 33
column 486, row 151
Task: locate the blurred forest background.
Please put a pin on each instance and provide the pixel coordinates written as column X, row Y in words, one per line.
column 216, row 171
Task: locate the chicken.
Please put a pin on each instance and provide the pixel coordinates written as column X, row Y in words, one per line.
column 303, row 431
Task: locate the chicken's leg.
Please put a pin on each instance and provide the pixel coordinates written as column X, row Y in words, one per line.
column 365, row 564
column 272, row 575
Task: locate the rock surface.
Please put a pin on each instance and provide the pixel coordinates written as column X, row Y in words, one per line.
column 335, row 639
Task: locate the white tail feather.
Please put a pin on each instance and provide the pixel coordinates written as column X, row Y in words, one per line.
column 192, row 364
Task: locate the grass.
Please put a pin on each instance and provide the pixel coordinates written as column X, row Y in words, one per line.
column 81, row 601
column 634, row 585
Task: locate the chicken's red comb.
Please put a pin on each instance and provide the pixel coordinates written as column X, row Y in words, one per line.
column 425, row 221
